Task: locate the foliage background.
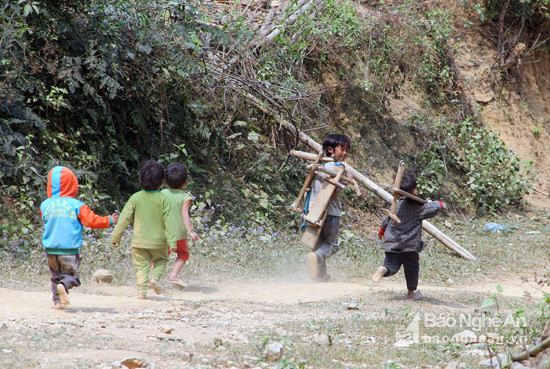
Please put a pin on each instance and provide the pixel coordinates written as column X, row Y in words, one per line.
column 102, row 86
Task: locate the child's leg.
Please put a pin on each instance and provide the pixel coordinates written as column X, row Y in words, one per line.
column 142, row 263
column 392, row 262
column 70, row 269
column 64, row 270
column 327, row 246
column 55, row 271
column 182, row 253
column 160, row 258
column 411, row 266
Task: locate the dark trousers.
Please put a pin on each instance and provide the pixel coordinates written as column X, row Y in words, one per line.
column 327, row 244
column 409, row 260
column 64, row 269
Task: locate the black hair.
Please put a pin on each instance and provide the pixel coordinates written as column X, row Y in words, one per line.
column 335, row 140
column 176, row 175
column 151, row 175
column 408, row 182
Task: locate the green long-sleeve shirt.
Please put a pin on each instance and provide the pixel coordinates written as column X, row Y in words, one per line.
column 150, row 212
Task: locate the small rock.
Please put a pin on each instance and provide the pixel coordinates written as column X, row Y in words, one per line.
column 166, row 329
column 403, row 344
column 274, row 352
column 484, row 96
column 518, row 366
column 450, row 281
column 103, row 275
column 494, row 361
column 452, row 365
column 3, row 325
column 6, row 351
column 135, row 362
column 465, row 337
column 350, row 306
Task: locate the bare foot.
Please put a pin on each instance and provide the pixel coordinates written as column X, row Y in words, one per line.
column 63, row 295
column 142, row 296
column 57, row 306
column 377, row 276
column 155, row 286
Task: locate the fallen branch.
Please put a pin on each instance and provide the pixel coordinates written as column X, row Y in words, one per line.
column 541, row 192
column 303, row 5
column 532, row 351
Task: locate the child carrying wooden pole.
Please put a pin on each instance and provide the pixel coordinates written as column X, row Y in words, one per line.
column 324, row 206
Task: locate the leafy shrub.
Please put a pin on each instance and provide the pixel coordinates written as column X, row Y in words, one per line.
column 494, row 176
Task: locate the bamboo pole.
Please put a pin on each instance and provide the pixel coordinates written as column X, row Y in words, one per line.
column 377, row 190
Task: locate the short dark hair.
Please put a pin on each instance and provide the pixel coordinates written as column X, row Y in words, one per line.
column 176, row 175
column 335, row 140
column 408, row 182
column 151, row 175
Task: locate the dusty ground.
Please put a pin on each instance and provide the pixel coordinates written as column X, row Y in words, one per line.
column 218, row 325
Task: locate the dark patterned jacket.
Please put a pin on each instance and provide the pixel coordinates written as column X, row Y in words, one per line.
column 407, row 235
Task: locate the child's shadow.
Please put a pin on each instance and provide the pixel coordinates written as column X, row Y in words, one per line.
column 78, row 309
column 429, row 300
column 197, row 288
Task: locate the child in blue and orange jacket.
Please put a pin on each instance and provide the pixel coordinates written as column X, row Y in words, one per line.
column 64, row 218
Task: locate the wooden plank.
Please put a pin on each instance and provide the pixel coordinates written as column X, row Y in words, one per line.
column 307, row 182
column 312, row 233
column 328, row 178
column 392, row 216
column 332, row 173
column 405, row 193
column 319, row 206
column 397, row 184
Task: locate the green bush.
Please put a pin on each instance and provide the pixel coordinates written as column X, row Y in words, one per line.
column 493, row 176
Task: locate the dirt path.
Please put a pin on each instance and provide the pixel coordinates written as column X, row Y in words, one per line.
column 106, row 298
column 106, row 324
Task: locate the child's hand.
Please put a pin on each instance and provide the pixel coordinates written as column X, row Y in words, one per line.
column 443, row 205
column 381, row 232
column 193, row 236
column 114, row 218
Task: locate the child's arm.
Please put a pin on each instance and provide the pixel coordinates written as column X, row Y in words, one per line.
column 126, row 217
column 187, row 219
column 383, row 227
column 431, row 209
column 91, row 220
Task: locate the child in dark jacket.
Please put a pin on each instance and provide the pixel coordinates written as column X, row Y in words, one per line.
column 64, row 218
column 403, row 241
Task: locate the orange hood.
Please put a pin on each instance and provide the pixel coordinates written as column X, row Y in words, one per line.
column 62, row 183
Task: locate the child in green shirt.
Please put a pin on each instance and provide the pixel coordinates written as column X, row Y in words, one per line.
column 149, row 211
column 180, row 202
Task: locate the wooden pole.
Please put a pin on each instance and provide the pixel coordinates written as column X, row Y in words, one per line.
column 377, row 190
column 532, row 351
column 397, row 184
